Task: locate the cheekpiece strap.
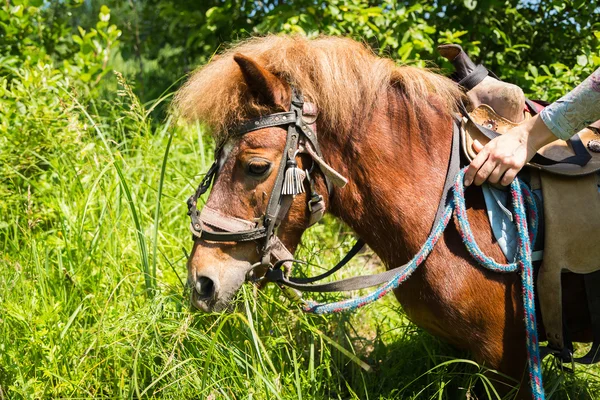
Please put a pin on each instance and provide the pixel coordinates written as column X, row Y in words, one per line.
column 192, row 201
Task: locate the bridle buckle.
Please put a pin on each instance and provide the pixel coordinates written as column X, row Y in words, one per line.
column 315, row 199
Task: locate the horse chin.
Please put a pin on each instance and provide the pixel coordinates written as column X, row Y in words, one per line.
column 211, row 306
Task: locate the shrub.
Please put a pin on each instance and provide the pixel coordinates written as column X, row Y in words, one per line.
column 46, row 74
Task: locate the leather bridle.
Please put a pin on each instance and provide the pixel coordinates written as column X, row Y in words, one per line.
column 300, row 124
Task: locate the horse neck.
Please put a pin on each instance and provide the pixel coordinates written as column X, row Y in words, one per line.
column 396, row 167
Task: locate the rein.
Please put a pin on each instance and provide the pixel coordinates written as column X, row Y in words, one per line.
column 302, row 138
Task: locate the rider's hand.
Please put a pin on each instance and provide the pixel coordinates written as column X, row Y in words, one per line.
column 502, row 158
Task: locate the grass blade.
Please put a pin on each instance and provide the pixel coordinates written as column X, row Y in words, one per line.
column 159, row 195
column 141, row 239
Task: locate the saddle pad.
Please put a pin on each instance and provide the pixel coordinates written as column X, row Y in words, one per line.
column 558, row 150
column 497, row 202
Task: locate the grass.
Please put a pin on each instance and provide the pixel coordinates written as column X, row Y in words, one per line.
column 93, row 302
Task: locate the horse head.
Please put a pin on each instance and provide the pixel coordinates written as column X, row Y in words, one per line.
column 246, row 193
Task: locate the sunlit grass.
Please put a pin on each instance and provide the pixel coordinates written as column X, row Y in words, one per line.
column 93, row 303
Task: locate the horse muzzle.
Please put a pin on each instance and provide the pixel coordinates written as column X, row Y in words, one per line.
column 214, row 292
column 216, row 273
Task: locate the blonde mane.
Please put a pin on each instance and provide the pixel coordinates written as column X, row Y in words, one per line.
column 342, row 77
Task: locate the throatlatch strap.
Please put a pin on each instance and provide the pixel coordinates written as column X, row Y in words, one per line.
column 356, row 248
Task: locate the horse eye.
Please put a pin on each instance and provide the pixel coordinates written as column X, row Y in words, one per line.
column 259, row 168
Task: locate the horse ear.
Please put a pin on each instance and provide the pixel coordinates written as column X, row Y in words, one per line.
column 268, row 88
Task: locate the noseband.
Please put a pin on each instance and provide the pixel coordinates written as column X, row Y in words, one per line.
column 301, row 139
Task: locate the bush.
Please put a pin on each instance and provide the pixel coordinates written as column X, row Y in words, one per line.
column 164, row 39
column 47, row 77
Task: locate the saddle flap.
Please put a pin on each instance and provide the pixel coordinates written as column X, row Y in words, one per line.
column 556, row 151
column 572, row 223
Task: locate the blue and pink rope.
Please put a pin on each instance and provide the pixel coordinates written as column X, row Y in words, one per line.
column 526, row 219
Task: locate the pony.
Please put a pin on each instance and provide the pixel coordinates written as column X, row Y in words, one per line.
column 388, row 129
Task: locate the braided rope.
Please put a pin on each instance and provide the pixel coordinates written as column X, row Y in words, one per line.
column 526, row 219
column 358, row 302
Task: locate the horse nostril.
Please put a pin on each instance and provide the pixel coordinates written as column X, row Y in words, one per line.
column 205, row 287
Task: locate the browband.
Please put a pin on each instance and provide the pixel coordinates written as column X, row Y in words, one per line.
column 268, row 121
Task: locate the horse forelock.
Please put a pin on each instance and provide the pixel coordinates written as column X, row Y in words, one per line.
column 341, row 76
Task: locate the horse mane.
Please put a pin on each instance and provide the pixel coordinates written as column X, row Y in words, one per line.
column 341, row 76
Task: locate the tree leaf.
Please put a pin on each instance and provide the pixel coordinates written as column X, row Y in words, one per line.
column 582, row 60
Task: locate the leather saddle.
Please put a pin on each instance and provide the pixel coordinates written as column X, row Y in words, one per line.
column 567, row 174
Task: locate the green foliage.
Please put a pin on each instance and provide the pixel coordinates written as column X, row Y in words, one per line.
column 167, row 38
column 92, row 189
column 40, row 92
column 549, row 82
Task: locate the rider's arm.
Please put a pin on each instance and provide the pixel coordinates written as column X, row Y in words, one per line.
column 576, row 110
column 502, row 158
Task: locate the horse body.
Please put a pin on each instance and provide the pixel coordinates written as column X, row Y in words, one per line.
column 395, row 153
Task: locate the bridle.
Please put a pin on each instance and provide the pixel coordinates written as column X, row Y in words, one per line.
column 300, row 124
column 301, row 139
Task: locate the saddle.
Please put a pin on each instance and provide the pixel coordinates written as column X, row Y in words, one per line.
column 567, row 172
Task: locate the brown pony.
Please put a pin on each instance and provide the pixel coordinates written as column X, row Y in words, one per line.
column 388, row 130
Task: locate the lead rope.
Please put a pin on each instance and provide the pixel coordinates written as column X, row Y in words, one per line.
column 525, row 215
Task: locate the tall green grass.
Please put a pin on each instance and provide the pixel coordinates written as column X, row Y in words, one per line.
column 93, row 302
